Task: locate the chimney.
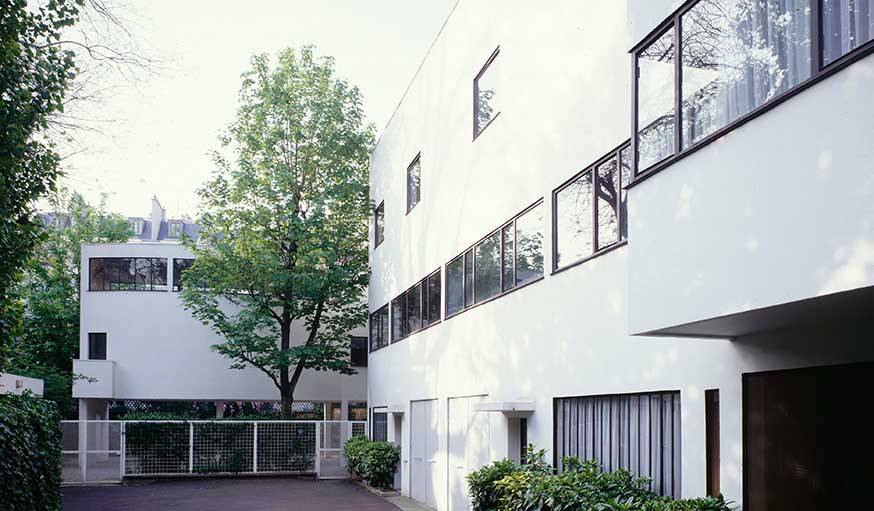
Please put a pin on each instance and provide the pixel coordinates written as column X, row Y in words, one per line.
column 158, row 215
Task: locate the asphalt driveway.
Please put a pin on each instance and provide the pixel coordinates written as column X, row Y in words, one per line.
column 247, row 494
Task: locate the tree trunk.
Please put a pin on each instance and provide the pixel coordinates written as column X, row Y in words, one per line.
column 287, row 402
column 286, row 389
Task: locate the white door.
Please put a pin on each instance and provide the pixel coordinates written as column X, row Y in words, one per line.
column 468, row 447
column 424, row 444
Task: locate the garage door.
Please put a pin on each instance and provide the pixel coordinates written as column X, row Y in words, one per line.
column 468, row 447
column 424, row 445
column 808, row 439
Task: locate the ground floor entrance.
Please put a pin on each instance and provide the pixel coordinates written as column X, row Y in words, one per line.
column 808, row 441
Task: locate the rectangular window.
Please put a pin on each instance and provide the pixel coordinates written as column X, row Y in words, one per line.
column 846, row 25
column 485, row 95
column 434, row 299
column 414, row 181
column 179, row 267
column 96, row 346
column 357, row 411
column 416, row 308
column 711, row 433
column 136, row 226
column 655, row 101
column 508, row 257
column 398, row 313
column 127, row 274
column 378, row 224
column 174, row 229
column 379, row 328
column 636, row 432
column 379, row 431
column 591, row 210
column 358, row 351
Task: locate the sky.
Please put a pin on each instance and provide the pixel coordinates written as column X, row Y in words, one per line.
column 157, row 131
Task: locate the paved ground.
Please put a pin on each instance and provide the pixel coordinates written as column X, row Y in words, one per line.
column 267, row 494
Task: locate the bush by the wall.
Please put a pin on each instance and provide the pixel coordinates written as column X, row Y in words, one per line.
column 375, row 462
column 30, row 453
column 581, row 485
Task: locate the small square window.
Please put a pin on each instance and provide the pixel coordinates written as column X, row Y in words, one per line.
column 486, row 105
column 414, row 181
column 97, row 346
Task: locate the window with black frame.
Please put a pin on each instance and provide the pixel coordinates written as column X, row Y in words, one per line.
column 358, row 351
column 127, row 274
column 414, row 182
column 379, row 224
column 716, row 63
column 179, row 267
column 509, row 257
column 379, row 328
column 591, row 209
column 97, row 346
column 417, row 307
column 485, row 95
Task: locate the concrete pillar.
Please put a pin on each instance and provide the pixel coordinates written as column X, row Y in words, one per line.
column 83, row 437
column 219, row 409
column 344, row 410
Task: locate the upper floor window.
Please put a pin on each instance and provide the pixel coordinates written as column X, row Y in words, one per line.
column 127, row 274
column 358, row 351
column 417, row 307
column 414, row 181
column 174, row 229
column 379, row 328
column 379, row 224
column 591, row 209
column 136, row 226
column 97, row 346
column 179, row 267
column 717, row 63
column 510, row 256
column 486, row 106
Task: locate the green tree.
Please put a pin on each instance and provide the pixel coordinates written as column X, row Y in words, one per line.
column 34, row 74
column 283, row 238
column 48, row 294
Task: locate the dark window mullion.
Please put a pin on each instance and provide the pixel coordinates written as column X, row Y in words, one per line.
column 515, row 251
column 816, row 46
column 593, row 178
column 678, row 88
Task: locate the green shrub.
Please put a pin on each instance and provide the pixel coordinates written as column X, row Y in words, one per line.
column 481, row 484
column 375, row 462
column 353, row 451
column 30, row 453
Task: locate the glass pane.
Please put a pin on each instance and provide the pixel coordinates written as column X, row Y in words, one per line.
column 455, row 285
column 488, row 268
column 96, row 274
column 573, row 220
column 655, row 101
column 434, row 298
column 413, row 181
column 379, row 224
column 468, row 278
column 126, row 274
column 397, row 318
column 846, row 24
column 737, row 55
column 625, row 170
column 414, row 309
column 374, row 331
column 608, row 187
column 507, row 267
column 529, row 245
column 144, row 274
column 159, row 273
column 487, row 106
column 384, row 327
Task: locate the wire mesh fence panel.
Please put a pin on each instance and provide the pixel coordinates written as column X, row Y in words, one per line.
column 287, row 447
column 70, row 432
column 223, row 447
column 156, row 448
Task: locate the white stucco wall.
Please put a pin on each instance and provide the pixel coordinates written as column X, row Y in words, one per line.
column 161, row 352
column 565, row 101
column 15, row 384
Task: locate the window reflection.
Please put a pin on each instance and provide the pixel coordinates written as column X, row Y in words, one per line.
column 414, row 172
column 574, row 220
column 508, row 278
column 529, row 245
column 846, row 25
column 625, row 171
column 485, row 91
column 455, row 285
column 655, row 96
column 607, row 189
column 736, row 56
column 487, row 276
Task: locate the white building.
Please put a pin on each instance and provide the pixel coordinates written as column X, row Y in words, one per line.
column 138, row 343
column 720, row 339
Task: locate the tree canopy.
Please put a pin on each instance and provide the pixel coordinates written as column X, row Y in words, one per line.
column 283, row 238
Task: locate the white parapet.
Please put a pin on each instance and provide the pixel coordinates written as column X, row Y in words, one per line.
column 15, row 384
column 94, row 379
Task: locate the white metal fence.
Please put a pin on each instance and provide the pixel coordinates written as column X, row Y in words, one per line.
column 103, row 451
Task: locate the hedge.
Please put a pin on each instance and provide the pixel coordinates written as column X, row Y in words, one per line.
column 506, row 486
column 375, row 462
column 30, row 453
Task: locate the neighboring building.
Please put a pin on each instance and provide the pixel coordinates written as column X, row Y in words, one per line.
column 703, row 317
column 15, row 384
column 138, row 343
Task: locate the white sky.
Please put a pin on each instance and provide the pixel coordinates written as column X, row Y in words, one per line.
column 165, row 126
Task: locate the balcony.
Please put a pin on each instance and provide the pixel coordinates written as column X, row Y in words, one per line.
column 96, row 379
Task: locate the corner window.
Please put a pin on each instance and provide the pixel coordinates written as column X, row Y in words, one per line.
column 486, row 105
column 358, row 351
column 96, row 346
column 591, row 210
column 655, row 101
column 379, row 328
column 127, row 274
column 414, row 176
column 507, row 258
column 179, row 267
column 378, row 224
column 417, row 307
column 174, row 229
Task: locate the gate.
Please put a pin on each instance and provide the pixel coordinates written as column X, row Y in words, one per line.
column 106, row 451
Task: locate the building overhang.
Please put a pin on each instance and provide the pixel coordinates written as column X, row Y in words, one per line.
column 508, row 408
column 395, row 409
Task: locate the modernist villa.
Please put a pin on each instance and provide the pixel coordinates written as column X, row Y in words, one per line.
column 636, row 231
